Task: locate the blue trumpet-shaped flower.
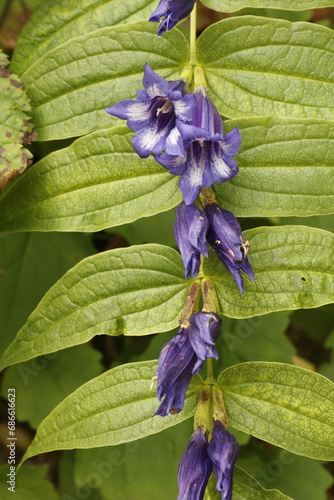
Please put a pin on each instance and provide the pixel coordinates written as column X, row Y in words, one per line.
column 195, row 468
column 199, row 459
column 182, row 357
column 223, row 451
column 172, row 11
column 208, row 155
column 190, row 228
column 152, row 115
column 224, row 235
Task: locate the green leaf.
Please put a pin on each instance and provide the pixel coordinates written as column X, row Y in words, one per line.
column 261, row 66
column 66, row 485
column 234, row 5
column 304, row 478
column 261, row 338
column 83, row 187
column 288, row 15
column 285, row 405
column 298, row 477
column 30, row 484
column 71, row 84
column 52, row 24
column 132, row 291
column 146, row 469
column 24, row 260
column 156, row 229
column 322, row 222
column 15, row 128
column 286, row 168
column 315, row 324
column 97, row 182
column 330, row 340
column 116, row 407
column 293, row 267
column 245, row 487
column 327, row 370
column 55, row 376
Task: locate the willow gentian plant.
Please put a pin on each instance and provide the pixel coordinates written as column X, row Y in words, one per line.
column 180, row 145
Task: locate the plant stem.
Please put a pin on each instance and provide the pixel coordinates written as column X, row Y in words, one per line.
column 193, row 19
column 210, row 377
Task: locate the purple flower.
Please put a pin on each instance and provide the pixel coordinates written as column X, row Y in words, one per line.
column 190, row 228
column 199, row 459
column 204, row 331
column 152, row 115
column 208, row 156
column 195, row 468
column 223, row 451
column 172, row 11
column 182, row 357
column 224, row 235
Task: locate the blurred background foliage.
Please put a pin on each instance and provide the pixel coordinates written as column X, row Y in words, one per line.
column 30, row 263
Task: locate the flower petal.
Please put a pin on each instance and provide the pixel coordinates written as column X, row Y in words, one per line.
column 204, row 331
column 174, row 373
column 225, row 237
column 222, row 167
column 190, row 229
column 231, row 142
column 155, row 85
column 223, row 451
column 173, row 11
column 195, row 468
column 130, row 110
column 185, row 107
column 174, row 143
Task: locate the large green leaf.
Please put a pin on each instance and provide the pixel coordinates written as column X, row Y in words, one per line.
column 286, row 168
column 293, row 267
column 294, row 475
column 261, row 66
column 24, row 258
column 116, row 407
column 97, row 182
column 132, row 291
column 71, row 85
column 146, row 469
column 261, row 338
column 234, row 5
column 31, row 484
column 285, row 405
column 54, row 23
column 55, row 376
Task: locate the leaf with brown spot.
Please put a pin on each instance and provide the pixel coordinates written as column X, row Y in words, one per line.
column 15, row 127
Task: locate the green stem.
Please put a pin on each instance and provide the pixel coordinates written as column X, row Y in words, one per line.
column 210, row 377
column 193, row 18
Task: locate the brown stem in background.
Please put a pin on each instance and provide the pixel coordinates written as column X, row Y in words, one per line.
column 5, row 12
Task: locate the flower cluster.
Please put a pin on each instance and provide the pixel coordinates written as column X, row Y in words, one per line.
column 155, row 113
column 182, row 357
column 201, row 457
column 194, row 228
column 207, row 155
column 184, row 131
